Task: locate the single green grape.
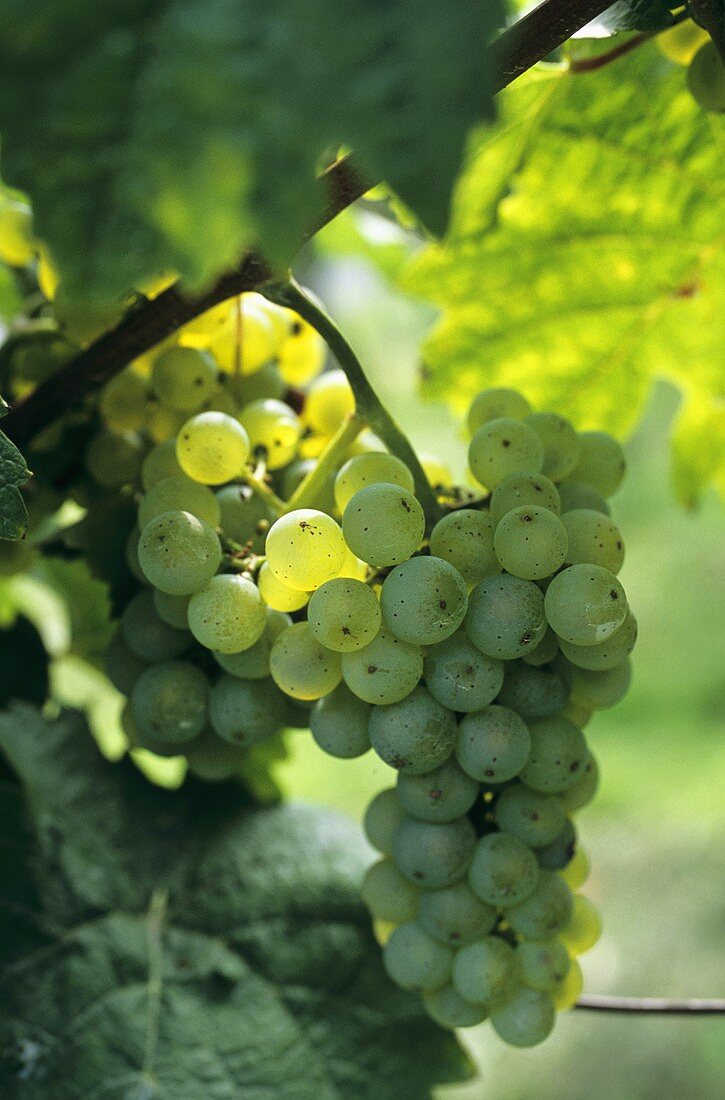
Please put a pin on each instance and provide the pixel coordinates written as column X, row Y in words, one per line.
column 253, row 663
column 178, row 493
column 575, row 495
column 520, row 490
column 388, row 895
column 416, row 734
column 433, row 855
column 576, row 872
column 525, row 1018
column 160, row 462
column 114, row 460
column 504, row 870
column 248, row 341
column 534, row 693
column 339, row 724
column 169, row 702
column 415, row 961
column 545, row 652
column 382, row 818
column 585, row 604
column 212, row 759
column 495, row 403
column 147, row 636
column 122, row 402
column 172, row 609
column 545, row 912
column 599, row 690
column 424, row 600
column 567, row 994
column 329, row 402
column 344, row 615
column 531, row 816
column 581, row 793
column 454, row 915
column 442, row 794
column 706, row 78
column 273, row 429
column 139, row 740
column 301, row 667
column 370, row 468
column 459, row 676
column 530, row 542
column 277, row 595
column 302, row 354
column 562, row 448
column 607, row 654
column 385, row 671
column 503, row 447
column 244, row 712
column 493, row 744
column 305, row 548
column 383, row 525
column 505, row 617
column 556, row 855
column 449, row 1009
column 123, row 667
column 183, row 378
column 543, row 964
column 484, row 971
column 264, row 385
column 131, row 554
column 212, row 447
column 228, row 614
column 179, row 553
column 593, row 538
column 558, row 756
column 583, row 928
column 464, row 539
column 601, row 463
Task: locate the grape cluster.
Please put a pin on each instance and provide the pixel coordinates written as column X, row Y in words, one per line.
column 278, row 589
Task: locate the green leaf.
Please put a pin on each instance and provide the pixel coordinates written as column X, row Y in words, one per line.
column 180, row 945
column 698, row 448
column 172, row 134
column 586, row 252
column 13, row 474
column 87, row 600
column 9, row 296
column 630, row 15
column 23, row 663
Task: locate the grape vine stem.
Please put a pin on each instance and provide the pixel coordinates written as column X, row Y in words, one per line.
column 653, row 1005
column 150, row 321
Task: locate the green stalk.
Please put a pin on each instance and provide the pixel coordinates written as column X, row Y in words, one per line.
column 307, row 492
column 368, row 404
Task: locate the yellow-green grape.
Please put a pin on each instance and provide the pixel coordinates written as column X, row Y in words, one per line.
column 524, row 1018
column 385, row 671
column 562, row 447
column 305, row 548
column 212, row 759
column 370, row 469
column 301, row 667
column 585, row 604
column 504, row 447
column 123, row 403
column 222, row 399
column 17, row 246
column 277, row 595
column 172, row 609
column 183, row 378
column 353, row 567
column 383, row 930
column 245, row 343
column 329, row 401
column 273, row 429
column 302, row 354
column 178, row 552
column 584, row 928
column 114, row 460
column 568, row 993
column 484, row 971
column 383, row 525
column 253, row 663
column 202, row 330
column 228, row 615
column 706, row 78
column 681, row 42
column 212, row 448
column 449, row 1009
column 521, row 489
column 266, row 383
column 178, row 493
column 415, row 961
column 601, row 463
column 313, row 444
column 160, row 462
column 576, row 872
column 344, row 615
column 388, row 895
column 245, row 516
column 382, row 818
column 495, row 403
column 437, row 471
column 162, row 423
column 593, row 537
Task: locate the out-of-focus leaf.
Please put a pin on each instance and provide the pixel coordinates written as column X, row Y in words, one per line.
column 13, row 473
column 698, row 447
column 23, row 663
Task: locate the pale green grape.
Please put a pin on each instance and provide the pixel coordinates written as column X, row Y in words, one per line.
column 302, row 667
column 382, row 818
column 484, row 971
column 138, row 739
column 524, row 1019
column 531, row 816
column 562, row 448
column 131, row 554
column 442, row 794
column 123, row 667
column 576, row 872
column 583, row 928
column 228, row 615
column 424, row 600
column 585, row 604
column 147, row 635
column 545, row 651
column 244, row 712
column 601, row 463
column 277, row 595
column 493, row 404
column 264, row 385
column 593, row 538
column 461, row 677
column 388, row 895
column 575, row 494
column 113, row 460
column 212, row 759
column 183, row 378
column 433, row 855
column 542, row 965
column 558, row 755
column 568, row 993
column 493, row 744
column 305, row 548
column 533, row 693
column 179, row 553
column 172, row 609
column 464, row 538
column 415, row 961
column 244, row 516
column 449, row 1009
column 416, row 734
column 545, row 912
column 251, row 336
column 530, row 542
column 556, row 855
column 178, row 493
column 329, row 401
column 169, row 702
column 582, row 792
column 385, row 671
column 162, row 423
column 302, row 355
column 160, row 462
column 503, row 447
column 455, row 915
column 212, row 447
column 522, row 490
column 607, row 654
column 503, row 869
column 383, row 525
column 339, row 724
column 122, row 402
column 505, row 617
column 370, row 468
column 600, row 690
column 344, row 615
column 253, row 663
column 273, row 429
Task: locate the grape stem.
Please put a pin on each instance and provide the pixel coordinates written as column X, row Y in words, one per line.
column 652, row 1005
column 307, row 493
column 367, row 402
column 260, row 487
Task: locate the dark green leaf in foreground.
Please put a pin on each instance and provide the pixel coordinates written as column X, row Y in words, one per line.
column 173, row 134
column 183, row 947
column 13, row 474
column 23, row 663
